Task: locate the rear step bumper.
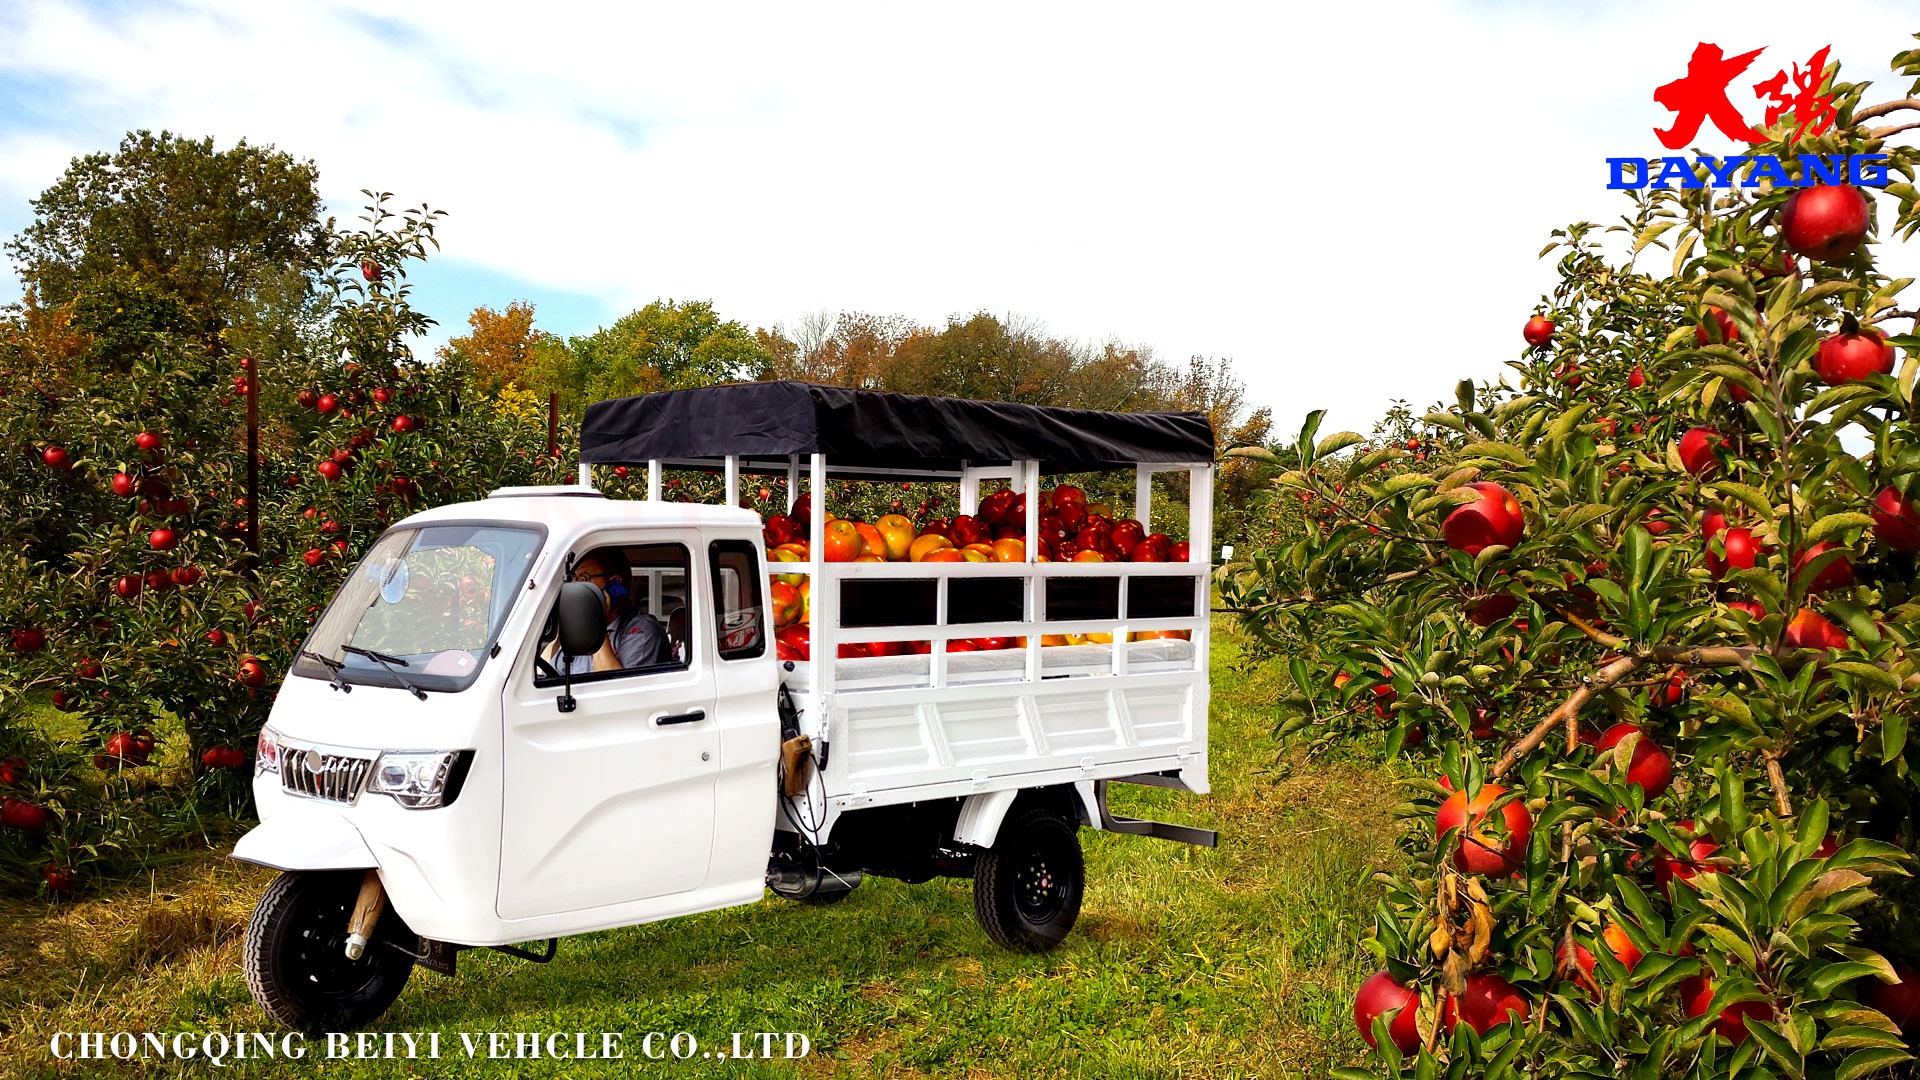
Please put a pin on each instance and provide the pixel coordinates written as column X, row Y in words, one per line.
column 1159, row 830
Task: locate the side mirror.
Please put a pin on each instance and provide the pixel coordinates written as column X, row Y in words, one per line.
column 582, row 612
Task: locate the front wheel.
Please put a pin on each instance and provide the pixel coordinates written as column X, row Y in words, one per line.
column 1027, row 887
column 296, row 961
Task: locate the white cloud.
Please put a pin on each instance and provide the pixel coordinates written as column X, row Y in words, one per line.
column 1345, row 199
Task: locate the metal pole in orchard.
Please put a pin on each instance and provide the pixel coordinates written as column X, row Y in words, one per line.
column 253, row 468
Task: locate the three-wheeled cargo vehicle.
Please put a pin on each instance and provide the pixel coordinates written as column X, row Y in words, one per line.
column 550, row 712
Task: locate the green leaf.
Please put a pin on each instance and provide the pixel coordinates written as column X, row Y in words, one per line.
column 1893, row 734
column 1776, row 1046
column 1639, row 552
column 1834, row 524
column 1855, row 1036
column 1751, row 497
column 1607, row 590
column 1505, row 452
column 1404, row 482
column 1335, row 443
column 1581, row 516
column 1865, row 1062
column 1873, row 673
column 1567, row 421
column 1463, row 393
column 1309, row 427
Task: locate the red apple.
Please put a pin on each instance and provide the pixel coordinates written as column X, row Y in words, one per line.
column 1488, row 1002
column 1492, row 609
column 1696, row 994
column 1845, row 358
column 1712, row 522
column 123, row 485
column 1825, row 223
column 328, row 470
column 314, row 557
column 23, row 815
column 1650, row 766
column 1696, row 450
column 1896, row 523
column 56, row 458
column 402, row 424
column 967, row 529
column 1742, row 552
column 162, row 539
column 1485, row 850
column 59, row 878
column 1808, row 630
column 327, row 403
column 217, row 637
column 127, row 586
column 1836, row 574
column 1380, row 995
column 13, row 770
column 1753, row 608
column 1538, row 331
column 1725, row 330
column 1668, row 869
column 28, row 639
column 1637, row 378
column 1496, row 518
column 147, row 441
column 252, row 673
column 126, row 748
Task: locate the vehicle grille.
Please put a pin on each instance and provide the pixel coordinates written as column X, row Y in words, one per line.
column 316, row 774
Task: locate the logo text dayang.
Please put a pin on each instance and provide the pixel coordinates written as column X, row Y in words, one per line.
column 1745, row 170
column 1699, row 97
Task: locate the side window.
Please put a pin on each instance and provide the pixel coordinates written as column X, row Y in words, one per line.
column 646, row 591
column 736, row 599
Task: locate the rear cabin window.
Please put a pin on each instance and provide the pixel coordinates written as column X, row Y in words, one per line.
column 739, row 625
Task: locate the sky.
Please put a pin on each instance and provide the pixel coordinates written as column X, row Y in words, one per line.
column 1345, row 200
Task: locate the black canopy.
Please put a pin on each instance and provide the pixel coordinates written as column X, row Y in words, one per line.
column 873, row 430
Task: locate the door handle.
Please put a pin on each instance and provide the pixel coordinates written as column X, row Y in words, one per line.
column 693, row 717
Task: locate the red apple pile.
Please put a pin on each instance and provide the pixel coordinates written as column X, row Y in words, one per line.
column 1070, row 530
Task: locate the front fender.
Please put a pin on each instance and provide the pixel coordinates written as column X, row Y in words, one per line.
column 306, row 841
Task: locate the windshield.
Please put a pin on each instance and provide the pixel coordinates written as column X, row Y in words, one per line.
column 432, row 596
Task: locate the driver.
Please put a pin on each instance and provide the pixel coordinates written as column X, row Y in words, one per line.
column 634, row 637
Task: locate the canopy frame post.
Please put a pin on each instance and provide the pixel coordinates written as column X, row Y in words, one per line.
column 653, row 479
column 733, row 479
column 823, row 592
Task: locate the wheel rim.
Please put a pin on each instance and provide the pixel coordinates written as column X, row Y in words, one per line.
column 1038, row 890
column 319, row 948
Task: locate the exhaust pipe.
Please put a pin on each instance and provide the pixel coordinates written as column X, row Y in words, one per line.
column 366, row 912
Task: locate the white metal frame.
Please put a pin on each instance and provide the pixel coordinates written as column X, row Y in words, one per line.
column 1024, row 478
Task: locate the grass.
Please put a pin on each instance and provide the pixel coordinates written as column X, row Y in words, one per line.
column 1234, row 962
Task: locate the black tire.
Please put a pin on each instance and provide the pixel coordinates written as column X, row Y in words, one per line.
column 295, row 954
column 1027, row 887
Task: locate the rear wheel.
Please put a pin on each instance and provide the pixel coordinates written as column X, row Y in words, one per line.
column 296, row 961
column 1027, row 887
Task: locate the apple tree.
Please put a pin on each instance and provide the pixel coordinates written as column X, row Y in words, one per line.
column 1649, row 605
column 133, row 598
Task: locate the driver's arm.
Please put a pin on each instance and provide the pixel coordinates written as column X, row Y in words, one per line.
column 605, row 659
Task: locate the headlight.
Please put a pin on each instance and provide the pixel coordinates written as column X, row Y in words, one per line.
column 420, row 779
column 266, row 758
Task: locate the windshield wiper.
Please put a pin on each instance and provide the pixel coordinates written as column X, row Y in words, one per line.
column 388, row 662
column 333, row 670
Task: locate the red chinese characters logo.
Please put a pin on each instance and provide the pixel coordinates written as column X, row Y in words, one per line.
column 1702, row 95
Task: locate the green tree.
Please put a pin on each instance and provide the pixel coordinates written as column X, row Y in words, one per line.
column 218, row 232
column 666, row 345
